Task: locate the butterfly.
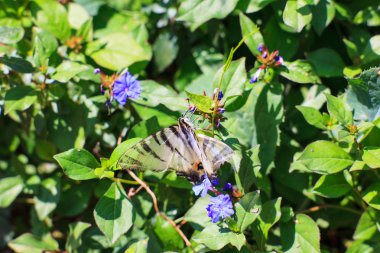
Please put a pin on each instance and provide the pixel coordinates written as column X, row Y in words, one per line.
column 177, row 148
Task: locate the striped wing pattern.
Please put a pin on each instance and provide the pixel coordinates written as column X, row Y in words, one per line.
column 166, row 149
column 216, row 151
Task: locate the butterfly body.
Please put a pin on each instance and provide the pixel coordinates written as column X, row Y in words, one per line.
column 177, row 148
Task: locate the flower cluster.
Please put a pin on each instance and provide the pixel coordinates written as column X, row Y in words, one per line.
column 120, row 87
column 220, row 206
column 216, row 106
column 267, row 60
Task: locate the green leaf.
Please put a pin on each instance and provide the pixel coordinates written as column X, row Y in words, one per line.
column 167, row 234
column 323, row 14
column 369, row 16
column 52, row 17
column 86, row 31
column 324, row 157
column 327, row 62
column 371, row 195
column 253, row 41
column 312, row 116
column 79, row 194
column 371, row 52
column 233, row 80
column 363, row 95
column 45, row 45
column 67, row 70
column 332, row 186
column 154, row 94
column 19, row 98
column 10, row 188
column 297, row 14
column 250, row 6
column 78, row 164
column 203, row 103
column 11, row 34
column 29, row 243
column 257, row 122
column 247, row 210
column 197, row 214
column 17, row 64
column 300, row 71
column 368, row 226
column 47, row 197
column 110, row 51
column 74, row 237
column 165, row 50
column 270, row 214
column 300, row 235
column 114, row 213
column 338, row 109
column 215, row 237
column 371, row 156
column 197, row 12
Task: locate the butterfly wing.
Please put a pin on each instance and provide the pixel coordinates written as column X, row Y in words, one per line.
column 216, row 152
column 166, row 149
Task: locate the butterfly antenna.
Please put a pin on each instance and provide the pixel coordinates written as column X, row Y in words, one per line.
column 184, row 114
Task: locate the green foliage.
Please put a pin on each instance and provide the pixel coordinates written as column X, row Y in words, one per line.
column 307, row 155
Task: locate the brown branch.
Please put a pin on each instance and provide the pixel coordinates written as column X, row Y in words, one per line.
column 325, row 206
column 155, row 205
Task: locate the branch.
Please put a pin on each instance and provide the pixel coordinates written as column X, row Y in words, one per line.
column 155, row 205
column 325, row 206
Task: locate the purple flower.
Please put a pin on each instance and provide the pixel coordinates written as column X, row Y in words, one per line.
column 126, row 86
column 255, row 77
column 215, row 181
column 220, row 95
column 227, row 187
column 203, row 187
column 220, row 207
column 260, row 47
column 279, row 60
column 221, row 110
column 97, row 71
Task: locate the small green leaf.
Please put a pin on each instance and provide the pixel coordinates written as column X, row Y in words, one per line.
column 167, row 234
column 52, row 17
column 312, row 116
column 300, row 235
column 11, row 34
column 86, row 31
column 17, row 64
column 215, row 237
column 324, row 157
column 332, row 186
column 33, row 244
column 114, row 213
column 269, row 215
column 338, row 109
column 327, row 62
column 47, row 197
column 372, row 50
column 250, row 6
column 247, row 210
column 234, row 79
column 10, row 188
column 368, row 226
column 197, row 12
column 19, row 98
column 371, row 195
column 253, row 41
column 78, row 164
column 323, row 14
column 297, row 14
column 203, row 103
column 165, row 50
column 67, row 70
column 74, row 237
column 371, row 156
column 300, row 72
column 45, row 45
column 197, row 214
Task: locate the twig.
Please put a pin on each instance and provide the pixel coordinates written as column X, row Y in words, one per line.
column 155, row 205
column 325, row 206
column 132, row 192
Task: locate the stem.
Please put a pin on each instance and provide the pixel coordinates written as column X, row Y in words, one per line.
column 325, row 206
column 155, row 205
column 125, row 181
column 225, row 68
